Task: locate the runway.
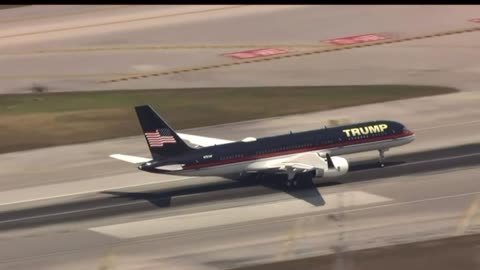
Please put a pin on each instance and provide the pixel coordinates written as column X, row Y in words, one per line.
column 448, row 253
column 430, row 200
column 204, row 193
column 72, row 207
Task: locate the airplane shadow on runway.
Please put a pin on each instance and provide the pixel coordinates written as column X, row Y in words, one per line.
column 154, row 198
column 163, row 198
column 309, row 192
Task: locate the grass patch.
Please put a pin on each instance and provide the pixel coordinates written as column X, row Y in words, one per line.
column 39, row 120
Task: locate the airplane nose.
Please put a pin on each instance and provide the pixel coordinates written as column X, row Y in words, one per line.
column 410, row 135
column 408, row 132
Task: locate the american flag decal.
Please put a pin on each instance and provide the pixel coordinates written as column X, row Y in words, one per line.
column 159, row 137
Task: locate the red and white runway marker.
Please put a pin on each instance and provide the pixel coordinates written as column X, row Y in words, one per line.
column 256, row 53
column 357, row 39
column 476, row 20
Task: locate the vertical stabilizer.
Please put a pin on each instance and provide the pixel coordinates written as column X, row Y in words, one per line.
column 162, row 140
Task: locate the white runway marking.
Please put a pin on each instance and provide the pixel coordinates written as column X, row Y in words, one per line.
column 235, row 215
column 32, row 194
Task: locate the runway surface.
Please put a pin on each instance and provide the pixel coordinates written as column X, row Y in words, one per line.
column 72, row 207
column 458, row 252
column 155, row 196
column 384, row 199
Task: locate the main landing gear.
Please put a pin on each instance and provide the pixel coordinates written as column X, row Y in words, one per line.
column 299, row 180
column 292, row 183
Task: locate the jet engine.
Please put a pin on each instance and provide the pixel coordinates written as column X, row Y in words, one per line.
column 340, row 167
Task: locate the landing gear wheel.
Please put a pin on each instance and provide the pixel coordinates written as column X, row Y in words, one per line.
column 298, row 181
column 288, row 183
column 291, row 183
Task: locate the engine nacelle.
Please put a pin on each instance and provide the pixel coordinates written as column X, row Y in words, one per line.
column 341, row 168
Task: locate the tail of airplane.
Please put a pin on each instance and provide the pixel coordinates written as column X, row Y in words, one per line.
column 162, row 140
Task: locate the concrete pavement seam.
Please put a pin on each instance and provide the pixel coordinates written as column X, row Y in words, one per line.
column 63, row 15
column 121, row 21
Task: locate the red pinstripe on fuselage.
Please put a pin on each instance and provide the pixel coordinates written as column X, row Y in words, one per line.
column 298, row 150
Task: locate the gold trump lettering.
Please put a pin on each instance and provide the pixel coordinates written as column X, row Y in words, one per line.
column 365, row 130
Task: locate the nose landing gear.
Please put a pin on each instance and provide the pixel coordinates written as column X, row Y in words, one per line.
column 381, row 157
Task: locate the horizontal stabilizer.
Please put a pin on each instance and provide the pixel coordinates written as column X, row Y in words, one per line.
column 130, row 159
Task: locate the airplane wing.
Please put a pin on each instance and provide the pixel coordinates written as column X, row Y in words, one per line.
column 300, row 163
column 130, row 159
column 201, row 141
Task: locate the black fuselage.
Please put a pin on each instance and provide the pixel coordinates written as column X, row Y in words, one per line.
column 268, row 147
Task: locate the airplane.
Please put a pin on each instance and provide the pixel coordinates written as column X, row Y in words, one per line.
column 292, row 158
